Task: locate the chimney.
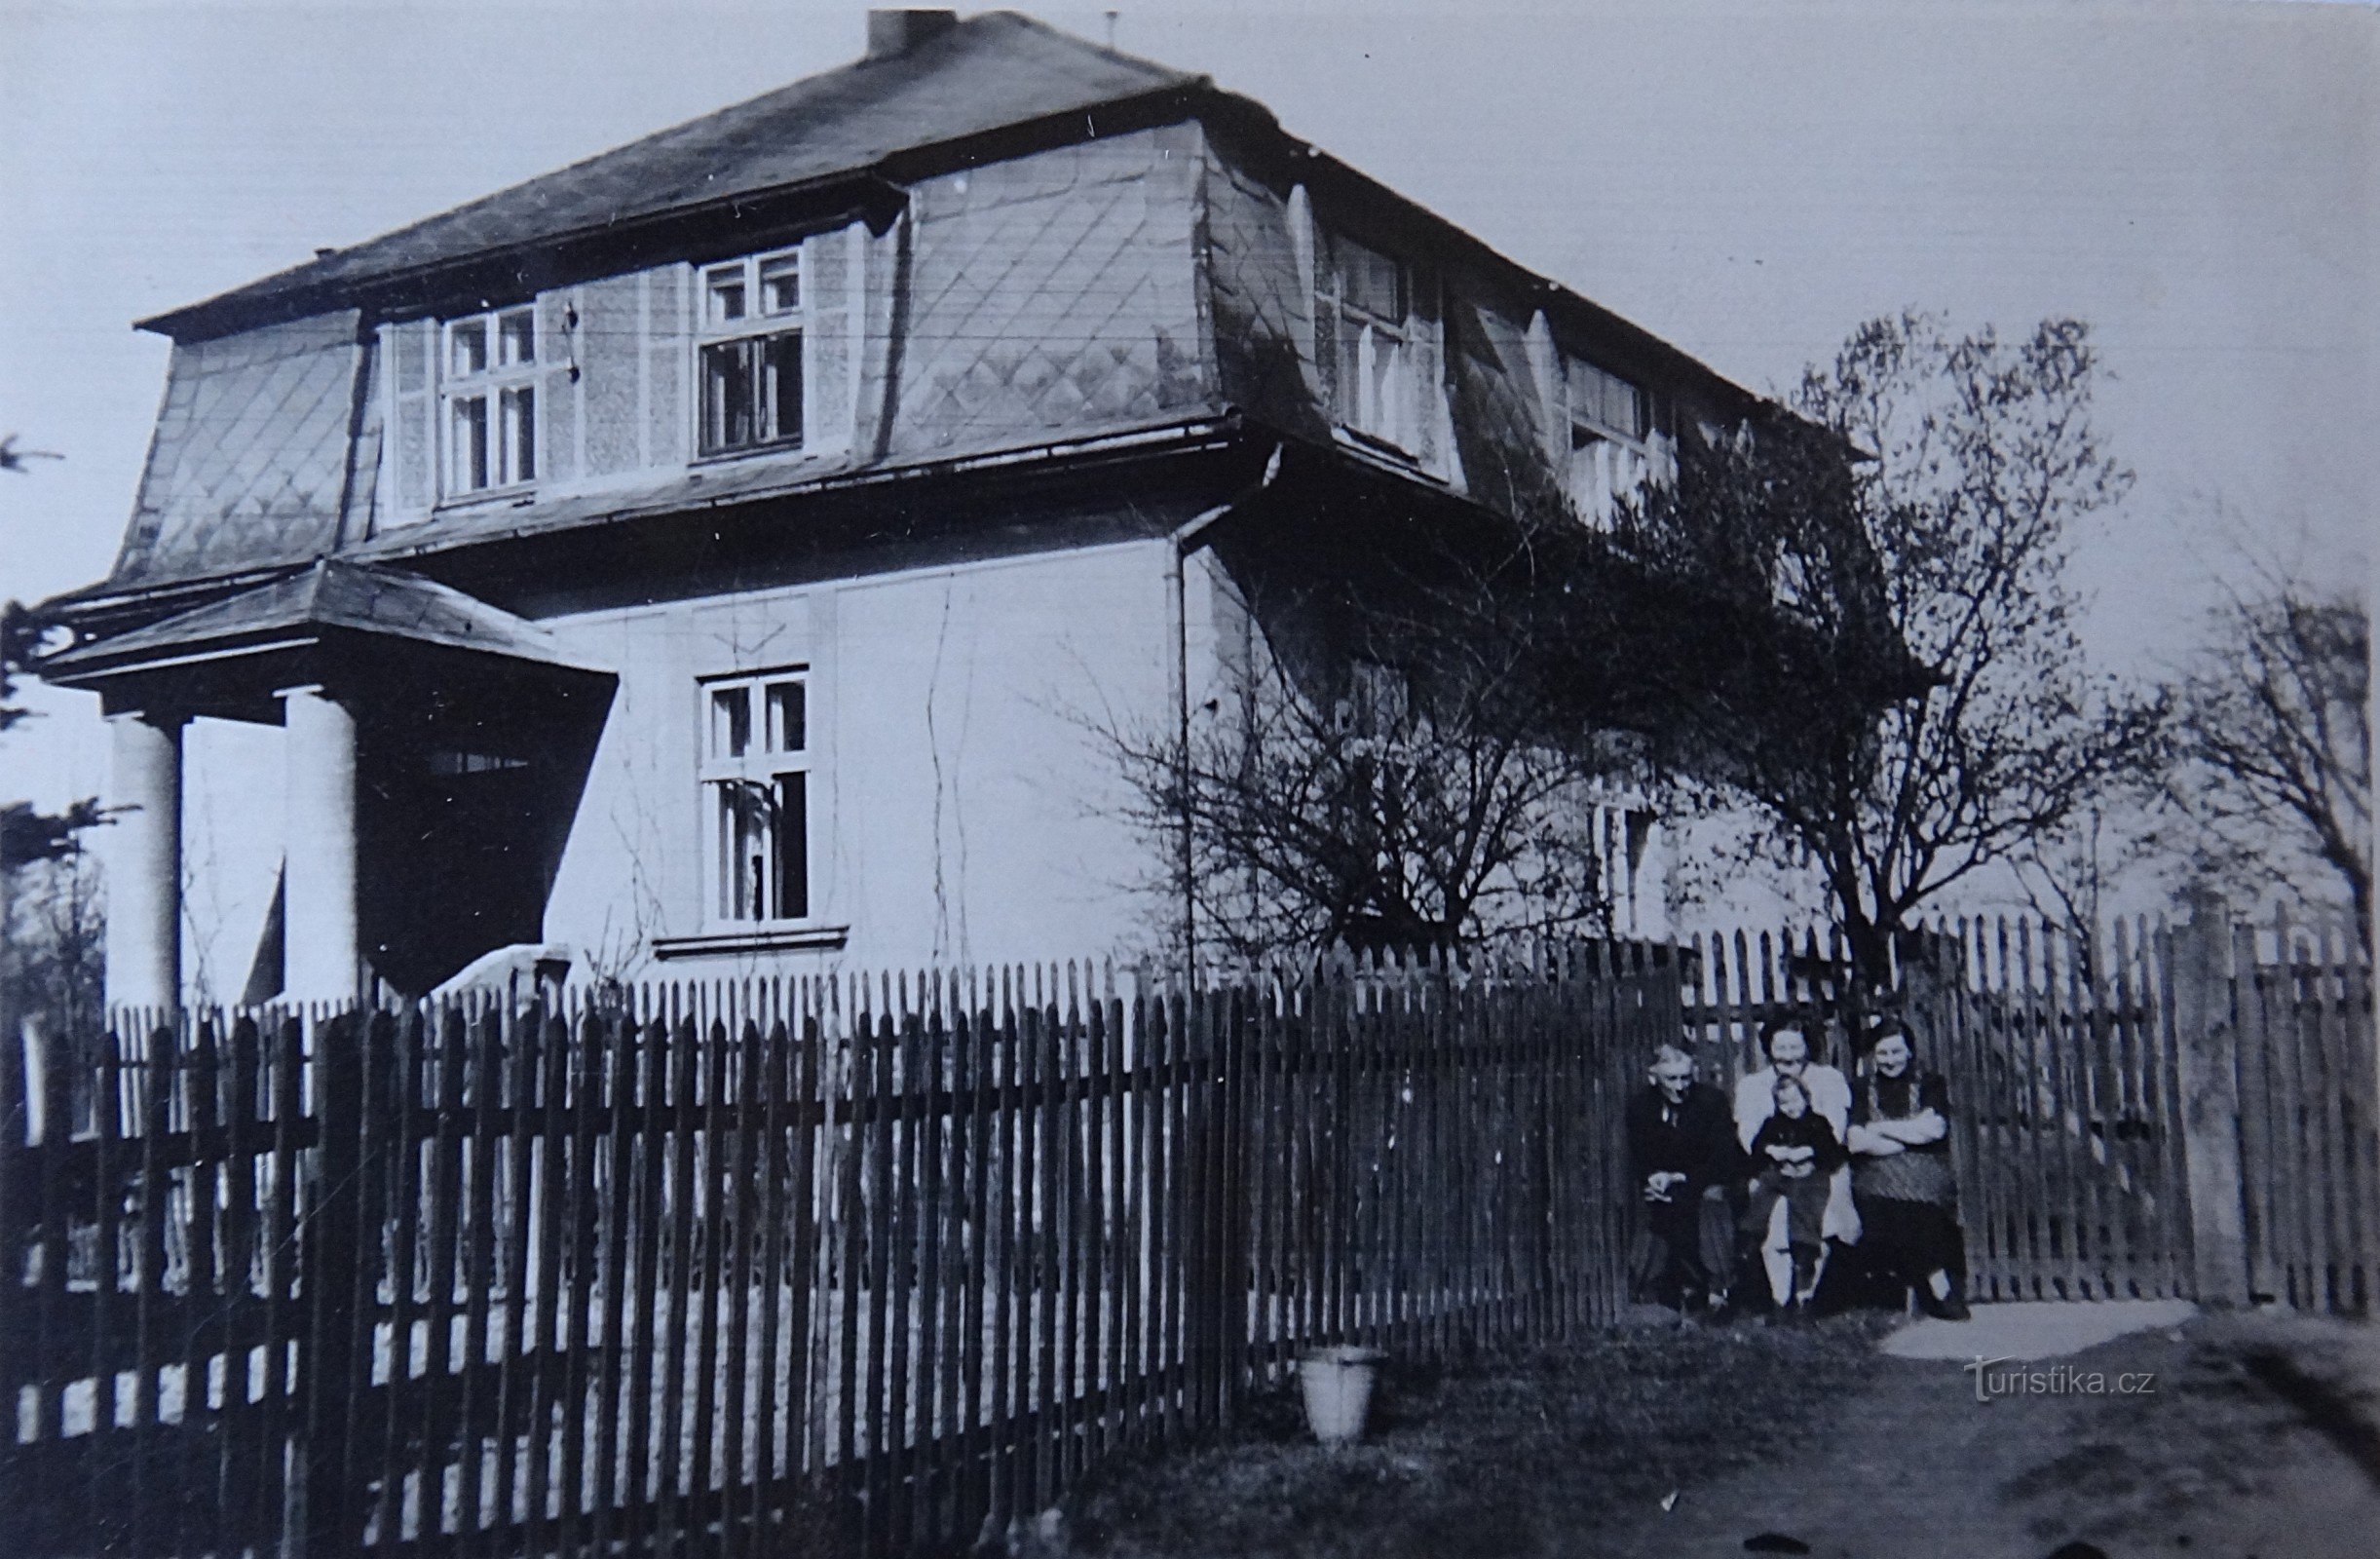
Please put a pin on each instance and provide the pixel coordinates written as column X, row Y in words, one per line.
column 891, row 33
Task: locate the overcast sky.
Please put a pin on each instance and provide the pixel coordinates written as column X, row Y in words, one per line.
column 2201, row 183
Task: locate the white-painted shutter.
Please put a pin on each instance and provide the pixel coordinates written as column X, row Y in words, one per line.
column 833, row 280
column 1545, row 369
column 1312, row 349
column 669, row 366
column 409, row 474
column 1424, row 412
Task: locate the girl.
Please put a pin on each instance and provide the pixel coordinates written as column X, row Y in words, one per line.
column 1795, row 1154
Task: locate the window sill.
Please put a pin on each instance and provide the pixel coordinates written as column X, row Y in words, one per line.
column 1383, row 454
column 515, row 495
column 760, row 939
column 787, row 449
column 1377, row 443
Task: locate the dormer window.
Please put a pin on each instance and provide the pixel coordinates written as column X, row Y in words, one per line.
column 1362, row 308
column 1611, row 422
column 751, row 354
column 489, row 389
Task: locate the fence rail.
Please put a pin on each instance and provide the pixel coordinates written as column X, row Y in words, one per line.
column 888, row 1262
column 884, row 1262
column 2100, row 1082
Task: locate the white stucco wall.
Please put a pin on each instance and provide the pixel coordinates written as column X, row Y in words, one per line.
column 232, row 845
column 962, row 811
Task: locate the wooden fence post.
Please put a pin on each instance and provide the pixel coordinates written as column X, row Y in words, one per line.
column 2204, row 1026
column 336, row 1366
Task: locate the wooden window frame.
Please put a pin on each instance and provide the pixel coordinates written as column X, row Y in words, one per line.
column 752, row 334
column 1586, row 427
column 504, row 465
column 1384, row 409
column 756, row 778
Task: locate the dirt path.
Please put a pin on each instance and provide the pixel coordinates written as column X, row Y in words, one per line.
column 2254, row 1439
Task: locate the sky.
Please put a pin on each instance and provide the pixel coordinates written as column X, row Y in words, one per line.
column 1750, row 181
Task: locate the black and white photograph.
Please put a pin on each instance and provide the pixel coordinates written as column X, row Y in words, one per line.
column 1189, row 779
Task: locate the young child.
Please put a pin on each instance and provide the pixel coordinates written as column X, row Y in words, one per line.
column 1795, row 1154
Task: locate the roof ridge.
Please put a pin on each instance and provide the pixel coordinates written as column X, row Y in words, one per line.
column 586, row 195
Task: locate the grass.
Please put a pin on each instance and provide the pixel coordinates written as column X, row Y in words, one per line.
column 1503, row 1455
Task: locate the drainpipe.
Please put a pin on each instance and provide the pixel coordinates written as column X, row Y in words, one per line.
column 1185, row 539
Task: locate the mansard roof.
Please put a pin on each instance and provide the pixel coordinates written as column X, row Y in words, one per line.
column 988, row 73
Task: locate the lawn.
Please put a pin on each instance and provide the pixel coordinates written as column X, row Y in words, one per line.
column 2260, row 1437
column 1505, row 1457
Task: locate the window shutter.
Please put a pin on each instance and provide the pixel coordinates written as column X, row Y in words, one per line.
column 1303, row 323
column 1545, row 369
column 409, row 350
column 1425, row 406
column 669, row 366
column 832, row 318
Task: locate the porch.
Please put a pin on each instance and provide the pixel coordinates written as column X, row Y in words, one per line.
column 432, row 746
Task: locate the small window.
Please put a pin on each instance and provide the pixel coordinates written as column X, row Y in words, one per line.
column 1363, row 344
column 490, row 396
column 750, row 371
column 1379, row 700
column 1604, row 403
column 756, row 767
column 1611, row 421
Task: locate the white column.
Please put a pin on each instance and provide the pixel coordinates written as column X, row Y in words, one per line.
column 320, row 950
column 144, row 860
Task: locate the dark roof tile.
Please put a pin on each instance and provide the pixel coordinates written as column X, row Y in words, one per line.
column 988, row 72
column 331, row 594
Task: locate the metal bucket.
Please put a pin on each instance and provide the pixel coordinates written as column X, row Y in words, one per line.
column 1338, row 1385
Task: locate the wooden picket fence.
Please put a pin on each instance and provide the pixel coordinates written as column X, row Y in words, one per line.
column 2085, row 1080
column 2309, row 1106
column 877, row 1266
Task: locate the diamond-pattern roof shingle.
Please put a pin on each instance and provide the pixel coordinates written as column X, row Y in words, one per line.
column 986, row 73
column 250, row 452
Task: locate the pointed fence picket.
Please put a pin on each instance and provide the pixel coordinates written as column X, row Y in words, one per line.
column 2073, row 1083
column 886, row 1262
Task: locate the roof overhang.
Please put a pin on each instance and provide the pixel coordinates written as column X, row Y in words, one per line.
column 332, row 602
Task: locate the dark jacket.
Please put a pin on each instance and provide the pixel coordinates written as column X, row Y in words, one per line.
column 1695, row 1137
column 1812, row 1131
column 1912, row 1093
column 1920, row 1173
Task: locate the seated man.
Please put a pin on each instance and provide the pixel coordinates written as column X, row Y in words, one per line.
column 1682, row 1151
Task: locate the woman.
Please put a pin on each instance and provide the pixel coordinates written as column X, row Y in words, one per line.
column 1795, row 1152
column 1901, row 1180
column 1788, row 1049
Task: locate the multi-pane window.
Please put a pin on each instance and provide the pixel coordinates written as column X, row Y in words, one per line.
column 489, row 389
column 751, row 354
column 756, row 762
column 1611, row 421
column 1379, row 700
column 1363, row 344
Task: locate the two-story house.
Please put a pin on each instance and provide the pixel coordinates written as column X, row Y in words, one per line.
column 711, row 554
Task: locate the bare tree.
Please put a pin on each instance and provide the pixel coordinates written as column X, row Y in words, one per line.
column 52, row 949
column 2276, row 737
column 2077, row 876
column 1965, row 463
column 1405, row 792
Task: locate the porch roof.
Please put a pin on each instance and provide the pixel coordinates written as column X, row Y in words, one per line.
column 331, row 594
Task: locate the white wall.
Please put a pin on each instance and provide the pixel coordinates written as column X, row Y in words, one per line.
column 232, row 775
column 963, row 811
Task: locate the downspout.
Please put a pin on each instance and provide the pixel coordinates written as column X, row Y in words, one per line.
column 1185, row 539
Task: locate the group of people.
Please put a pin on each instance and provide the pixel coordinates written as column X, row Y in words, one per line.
column 1803, row 1166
